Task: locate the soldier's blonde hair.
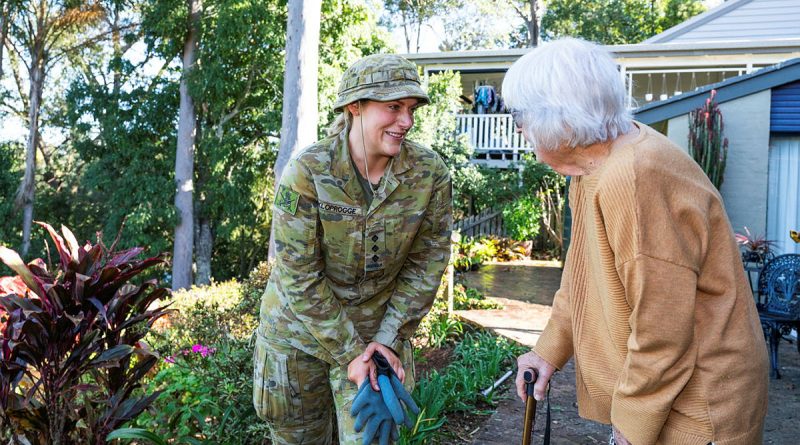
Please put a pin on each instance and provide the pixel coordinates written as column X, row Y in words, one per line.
column 342, row 122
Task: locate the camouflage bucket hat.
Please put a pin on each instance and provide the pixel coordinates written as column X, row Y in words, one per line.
column 380, row 77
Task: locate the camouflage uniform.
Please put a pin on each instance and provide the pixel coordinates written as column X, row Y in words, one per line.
column 346, row 273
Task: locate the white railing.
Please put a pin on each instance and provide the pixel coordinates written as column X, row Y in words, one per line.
column 494, row 138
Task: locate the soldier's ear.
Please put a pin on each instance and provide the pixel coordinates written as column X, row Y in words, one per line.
column 354, row 108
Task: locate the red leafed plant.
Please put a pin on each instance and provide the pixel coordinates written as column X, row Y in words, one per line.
column 71, row 356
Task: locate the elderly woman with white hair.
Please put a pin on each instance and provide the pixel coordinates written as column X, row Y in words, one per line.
column 653, row 303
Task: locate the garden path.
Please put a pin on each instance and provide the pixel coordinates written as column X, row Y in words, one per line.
column 526, row 290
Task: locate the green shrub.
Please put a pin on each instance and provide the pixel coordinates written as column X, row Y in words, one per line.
column 480, row 359
column 208, row 398
column 469, row 254
column 469, row 298
column 521, row 218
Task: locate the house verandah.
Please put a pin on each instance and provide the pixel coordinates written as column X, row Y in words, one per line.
column 738, row 37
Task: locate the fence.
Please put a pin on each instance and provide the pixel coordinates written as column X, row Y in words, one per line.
column 488, row 222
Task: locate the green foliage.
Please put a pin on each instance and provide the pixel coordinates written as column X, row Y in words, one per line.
column 480, row 359
column 121, row 119
column 612, row 22
column 348, row 32
column 469, row 298
column 707, row 145
column 469, row 254
column 72, row 362
column 505, row 249
column 207, row 398
column 10, row 178
column 521, row 217
column 435, row 127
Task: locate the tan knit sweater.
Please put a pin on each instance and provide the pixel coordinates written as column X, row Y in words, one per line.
column 655, row 306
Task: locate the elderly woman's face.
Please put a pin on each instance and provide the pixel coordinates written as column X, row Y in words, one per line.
column 559, row 159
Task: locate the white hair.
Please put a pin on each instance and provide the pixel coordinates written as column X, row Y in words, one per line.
column 567, row 92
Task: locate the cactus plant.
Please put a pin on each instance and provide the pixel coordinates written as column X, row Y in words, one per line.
column 707, row 145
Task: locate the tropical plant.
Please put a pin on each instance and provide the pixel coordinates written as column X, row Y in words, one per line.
column 707, row 145
column 755, row 248
column 72, row 359
column 467, row 298
column 469, row 254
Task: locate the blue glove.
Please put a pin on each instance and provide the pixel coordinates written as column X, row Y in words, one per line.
column 372, row 416
column 393, row 392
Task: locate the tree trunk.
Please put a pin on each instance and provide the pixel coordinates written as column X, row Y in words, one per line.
column 205, row 244
column 4, row 18
column 533, row 26
column 26, row 194
column 184, row 160
column 299, row 124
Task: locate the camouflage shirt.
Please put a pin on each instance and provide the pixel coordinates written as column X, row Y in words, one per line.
column 347, row 272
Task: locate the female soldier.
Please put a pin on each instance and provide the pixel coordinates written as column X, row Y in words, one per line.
column 362, row 235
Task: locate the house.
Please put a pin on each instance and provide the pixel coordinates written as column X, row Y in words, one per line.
column 737, row 37
column 761, row 115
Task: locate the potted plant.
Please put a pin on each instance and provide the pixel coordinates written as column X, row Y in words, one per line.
column 755, row 248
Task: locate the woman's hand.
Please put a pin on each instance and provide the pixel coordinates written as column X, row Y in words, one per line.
column 543, row 370
column 363, row 366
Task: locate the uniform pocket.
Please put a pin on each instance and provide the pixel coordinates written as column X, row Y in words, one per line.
column 341, row 242
column 272, row 388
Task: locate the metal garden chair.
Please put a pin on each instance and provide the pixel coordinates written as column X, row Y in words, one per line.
column 779, row 307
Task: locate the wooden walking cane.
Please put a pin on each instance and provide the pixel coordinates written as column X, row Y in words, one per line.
column 530, row 406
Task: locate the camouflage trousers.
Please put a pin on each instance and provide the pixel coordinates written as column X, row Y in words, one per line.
column 301, row 396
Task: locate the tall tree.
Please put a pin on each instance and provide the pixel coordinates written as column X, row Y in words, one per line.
column 476, row 24
column 184, row 158
column 40, row 34
column 413, row 15
column 530, row 13
column 299, row 125
column 613, row 22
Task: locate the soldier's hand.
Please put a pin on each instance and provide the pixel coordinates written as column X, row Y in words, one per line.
column 394, row 361
column 358, row 371
column 545, row 370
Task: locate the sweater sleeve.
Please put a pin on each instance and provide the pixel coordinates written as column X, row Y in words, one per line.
column 661, row 351
column 301, row 269
column 555, row 344
column 656, row 221
column 421, row 274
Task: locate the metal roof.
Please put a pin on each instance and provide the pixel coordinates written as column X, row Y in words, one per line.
column 737, row 20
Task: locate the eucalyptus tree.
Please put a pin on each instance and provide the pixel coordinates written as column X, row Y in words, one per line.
column 39, row 35
column 613, row 22
column 530, row 11
column 299, row 123
column 412, row 15
column 184, row 157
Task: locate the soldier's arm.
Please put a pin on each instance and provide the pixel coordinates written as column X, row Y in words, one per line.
column 421, row 275
column 301, row 269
